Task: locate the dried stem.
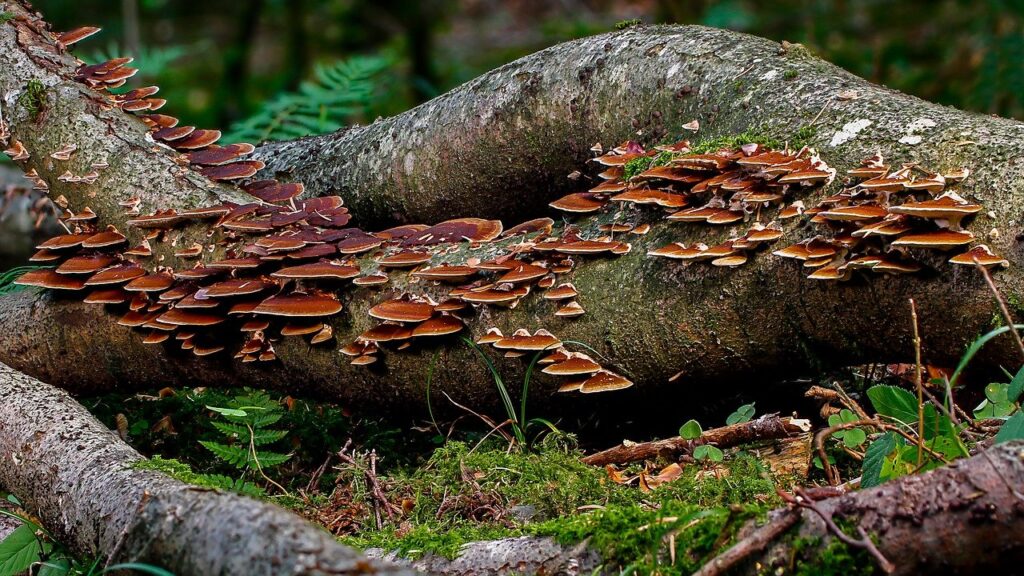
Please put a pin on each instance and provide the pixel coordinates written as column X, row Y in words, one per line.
column 1002, row 305
column 917, row 381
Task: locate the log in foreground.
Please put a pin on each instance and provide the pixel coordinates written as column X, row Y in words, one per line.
column 77, row 477
column 669, row 328
column 964, row 518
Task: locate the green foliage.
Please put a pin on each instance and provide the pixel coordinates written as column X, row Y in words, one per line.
column 975, row 347
column 183, row 472
column 623, row 24
column 874, row 459
column 742, row 414
column 691, row 430
column 556, row 484
column 6, row 17
column 1016, row 386
column 735, row 141
column 996, row 403
column 708, row 453
column 33, row 98
column 341, row 91
column 1013, row 429
column 20, row 550
column 246, row 425
column 642, row 163
column 852, row 437
column 790, row 74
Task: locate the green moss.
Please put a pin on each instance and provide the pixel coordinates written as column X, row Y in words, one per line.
column 735, row 141
column 638, row 165
column 184, row 473
column 834, row 559
column 790, row 74
column 623, row 24
column 803, row 136
column 629, row 528
column 6, row 17
column 33, row 99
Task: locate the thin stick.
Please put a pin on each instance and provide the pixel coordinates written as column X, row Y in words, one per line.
column 805, row 501
column 1002, row 304
column 920, row 386
column 755, row 542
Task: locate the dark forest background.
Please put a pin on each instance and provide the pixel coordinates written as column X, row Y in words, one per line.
column 220, row 63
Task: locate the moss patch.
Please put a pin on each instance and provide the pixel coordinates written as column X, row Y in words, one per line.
column 33, row 99
column 463, row 495
column 6, row 17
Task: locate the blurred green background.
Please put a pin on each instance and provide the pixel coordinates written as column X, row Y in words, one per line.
column 220, row 63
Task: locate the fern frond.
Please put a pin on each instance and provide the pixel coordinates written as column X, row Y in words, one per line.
column 338, row 92
column 234, row 455
column 241, row 433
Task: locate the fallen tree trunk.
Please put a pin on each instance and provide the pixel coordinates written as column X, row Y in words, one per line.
column 78, row 478
column 652, row 319
column 964, row 518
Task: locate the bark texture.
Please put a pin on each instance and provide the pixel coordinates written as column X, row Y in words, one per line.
column 964, row 518
column 77, row 477
column 652, row 319
column 523, row 555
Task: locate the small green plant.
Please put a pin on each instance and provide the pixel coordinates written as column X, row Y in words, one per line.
column 183, row 472
column 31, row 549
column 247, row 423
column 623, row 24
column 6, row 17
column 742, row 414
column 518, row 422
column 790, row 74
column 33, row 98
column 341, row 92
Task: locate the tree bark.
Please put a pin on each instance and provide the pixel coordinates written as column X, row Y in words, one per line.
column 964, row 518
column 652, row 319
column 78, row 478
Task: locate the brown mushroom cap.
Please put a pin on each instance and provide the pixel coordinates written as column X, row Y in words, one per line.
column 371, row 280
column 855, row 213
column 318, row 270
column 116, row 275
column 540, row 340
column 980, row 254
column 301, row 329
column 364, row 360
column 106, row 296
column 649, row 196
column 574, row 366
column 730, row 261
column 150, row 283
column 103, row 239
column 523, row 272
column 604, row 381
column 563, row 291
column 942, row 240
column 949, row 206
column 580, row 203
column 386, row 333
column 325, row 334
column 440, row 325
column 299, row 305
column 47, row 278
column 492, row 336
column 542, row 225
column 456, row 230
column 403, row 311
column 180, row 317
column 235, row 287
column 587, row 247
column 63, row 242
column 570, row 310
column 446, row 272
column 493, row 296
column 404, row 259
column 85, row 264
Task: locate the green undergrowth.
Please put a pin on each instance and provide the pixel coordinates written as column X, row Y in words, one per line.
column 33, row 99
column 463, row 495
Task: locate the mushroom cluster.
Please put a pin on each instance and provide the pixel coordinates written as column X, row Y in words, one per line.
column 586, row 375
column 883, row 218
column 728, row 186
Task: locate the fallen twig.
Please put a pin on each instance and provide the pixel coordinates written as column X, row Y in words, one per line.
column 768, row 427
column 756, row 542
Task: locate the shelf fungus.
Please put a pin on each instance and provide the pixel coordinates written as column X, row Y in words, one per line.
column 252, row 272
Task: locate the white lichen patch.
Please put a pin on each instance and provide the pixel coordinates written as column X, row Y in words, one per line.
column 849, row 132
column 912, row 138
column 770, row 75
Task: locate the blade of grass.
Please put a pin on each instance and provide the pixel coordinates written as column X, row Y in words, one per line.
column 975, row 347
column 430, row 377
column 502, row 391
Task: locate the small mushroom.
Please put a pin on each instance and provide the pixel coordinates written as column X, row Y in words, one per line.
column 570, row 310
column 940, row 240
column 579, row 203
column 980, row 255
column 440, row 325
column 399, row 310
column 604, row 381
column 46, row 278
